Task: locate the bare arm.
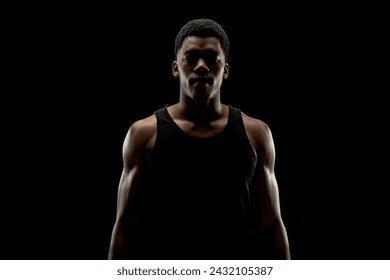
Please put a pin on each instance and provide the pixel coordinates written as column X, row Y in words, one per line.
column 269, row 225
column 135, row 148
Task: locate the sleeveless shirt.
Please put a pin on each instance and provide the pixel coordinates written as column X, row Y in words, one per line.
column 195, row 203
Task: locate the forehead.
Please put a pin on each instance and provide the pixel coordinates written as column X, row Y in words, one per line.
column 194, row 43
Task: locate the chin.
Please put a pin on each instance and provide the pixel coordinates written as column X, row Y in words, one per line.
column 203, row 98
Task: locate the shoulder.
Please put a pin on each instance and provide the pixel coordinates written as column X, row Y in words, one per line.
column 259, row 133
column 140, row 135
column 143, row 127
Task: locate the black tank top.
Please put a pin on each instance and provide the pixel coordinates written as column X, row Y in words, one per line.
column 195, row 202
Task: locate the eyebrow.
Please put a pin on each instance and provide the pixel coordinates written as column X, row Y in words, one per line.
column 195, row 51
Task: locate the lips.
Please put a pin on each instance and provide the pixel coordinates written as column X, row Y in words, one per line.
column 201, row 80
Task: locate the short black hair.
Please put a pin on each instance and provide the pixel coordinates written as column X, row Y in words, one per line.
column 202, row 27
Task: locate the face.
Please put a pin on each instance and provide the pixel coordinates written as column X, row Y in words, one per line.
column 201, row 67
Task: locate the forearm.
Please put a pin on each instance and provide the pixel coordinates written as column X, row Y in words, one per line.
column 125, row 241
column 273, row 241
column 119, row 243
column 279, row 242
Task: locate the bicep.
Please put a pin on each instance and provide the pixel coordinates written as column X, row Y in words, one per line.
column 128, row 195
column 131, row 179
column 265, row 196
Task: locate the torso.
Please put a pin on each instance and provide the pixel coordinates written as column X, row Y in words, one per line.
column 198, row 186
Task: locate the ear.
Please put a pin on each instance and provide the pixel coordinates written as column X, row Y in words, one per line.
column 226, row 71
column 175, row 69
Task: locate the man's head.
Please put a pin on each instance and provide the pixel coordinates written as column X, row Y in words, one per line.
column 203, row 28
column 201, row 50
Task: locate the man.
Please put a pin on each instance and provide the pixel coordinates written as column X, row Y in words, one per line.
column 198, row 179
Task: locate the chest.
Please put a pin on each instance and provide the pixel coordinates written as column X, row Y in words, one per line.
column 226, row 154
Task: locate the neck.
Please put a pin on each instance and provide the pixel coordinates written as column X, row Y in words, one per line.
column 196, row 112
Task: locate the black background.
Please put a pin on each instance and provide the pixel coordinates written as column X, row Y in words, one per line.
column 80, row 75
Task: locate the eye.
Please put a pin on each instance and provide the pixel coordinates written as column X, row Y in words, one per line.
column 213, row 58
column 191, row 58
column 210, row 59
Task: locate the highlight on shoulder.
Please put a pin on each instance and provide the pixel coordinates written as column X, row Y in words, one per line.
column 258, row 131
column 141, row 134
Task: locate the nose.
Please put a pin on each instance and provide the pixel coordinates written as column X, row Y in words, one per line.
column 201, row 66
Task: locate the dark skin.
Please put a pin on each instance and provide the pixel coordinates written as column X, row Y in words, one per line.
column 201, row 68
